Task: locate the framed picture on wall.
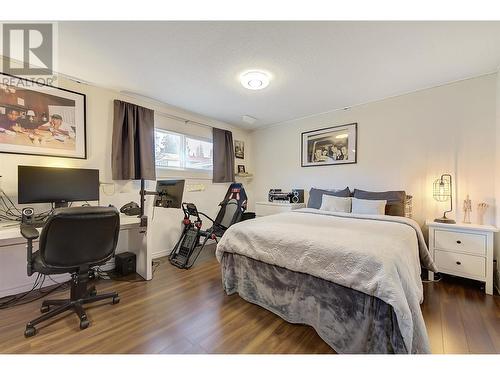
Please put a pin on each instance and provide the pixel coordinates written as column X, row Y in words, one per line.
column 330, row 146
column 37, row 119
column 239, row 149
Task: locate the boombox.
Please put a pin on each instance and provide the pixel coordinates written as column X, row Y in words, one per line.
column 295, row 196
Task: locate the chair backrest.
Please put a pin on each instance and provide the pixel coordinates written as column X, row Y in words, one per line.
column 79, row 236
column 233, row 206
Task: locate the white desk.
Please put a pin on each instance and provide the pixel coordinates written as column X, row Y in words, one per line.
column 13, row 277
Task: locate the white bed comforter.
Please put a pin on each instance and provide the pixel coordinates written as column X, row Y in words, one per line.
column 375, row 254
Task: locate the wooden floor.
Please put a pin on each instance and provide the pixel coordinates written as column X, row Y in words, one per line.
column 187, row 312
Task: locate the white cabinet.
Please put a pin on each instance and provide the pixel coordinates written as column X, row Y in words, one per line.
column 271, row 208
column 464, row 250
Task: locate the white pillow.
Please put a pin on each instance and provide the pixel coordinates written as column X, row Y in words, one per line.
column 335, row 204
column 368, row 206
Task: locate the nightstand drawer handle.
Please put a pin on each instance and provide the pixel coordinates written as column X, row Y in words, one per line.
column 459, row 242
column 458, row 263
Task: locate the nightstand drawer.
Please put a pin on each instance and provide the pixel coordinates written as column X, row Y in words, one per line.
column 463, row 242
column 460, row 264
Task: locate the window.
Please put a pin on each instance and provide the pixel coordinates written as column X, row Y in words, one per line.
column 179, row 151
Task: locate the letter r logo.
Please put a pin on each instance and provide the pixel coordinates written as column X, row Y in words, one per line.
column 29, row 48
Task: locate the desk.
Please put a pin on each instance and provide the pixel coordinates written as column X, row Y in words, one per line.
column 13, row 277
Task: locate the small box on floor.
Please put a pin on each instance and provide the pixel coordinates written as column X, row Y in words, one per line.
column 125, row 263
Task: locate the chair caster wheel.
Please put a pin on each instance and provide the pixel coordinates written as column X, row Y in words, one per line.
column 116, row 300
column 44, row 309
column 30, row 331
column 84, row 324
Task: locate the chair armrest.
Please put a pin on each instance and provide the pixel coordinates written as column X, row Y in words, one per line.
column 29, row 232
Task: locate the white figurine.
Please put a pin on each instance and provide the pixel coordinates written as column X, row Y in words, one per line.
column 467, row 210
column 481, row 209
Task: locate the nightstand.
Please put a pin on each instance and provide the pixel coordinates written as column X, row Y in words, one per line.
column 464, row 250
column 270, row 208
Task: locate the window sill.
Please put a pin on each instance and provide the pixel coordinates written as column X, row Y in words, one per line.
column 165, row 173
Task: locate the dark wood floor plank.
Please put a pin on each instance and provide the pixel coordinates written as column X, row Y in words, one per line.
column 183, row 311
column 476, row 331
column 432, row 317
column 454, row 338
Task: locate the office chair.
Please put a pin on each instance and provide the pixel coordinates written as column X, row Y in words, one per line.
column 72, row 241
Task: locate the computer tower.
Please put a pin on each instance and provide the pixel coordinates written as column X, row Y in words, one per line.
column 125, row 263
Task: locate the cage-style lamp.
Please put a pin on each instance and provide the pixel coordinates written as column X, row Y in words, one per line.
column 442, row 192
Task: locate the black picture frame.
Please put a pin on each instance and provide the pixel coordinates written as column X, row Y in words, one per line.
column 80, row 106
column 323, row 140
column 239, row 149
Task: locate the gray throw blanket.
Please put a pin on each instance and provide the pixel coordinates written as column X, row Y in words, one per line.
column 376, row 255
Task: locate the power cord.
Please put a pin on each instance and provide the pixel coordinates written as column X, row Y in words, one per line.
column 111, row 275
column 433, row 281
column 18, row 300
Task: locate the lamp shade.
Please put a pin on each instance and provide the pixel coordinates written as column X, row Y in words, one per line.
column 30, row 113
column 442, row 188
column 442, row 192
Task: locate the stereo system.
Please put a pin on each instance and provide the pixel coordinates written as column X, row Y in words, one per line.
column 295, row 196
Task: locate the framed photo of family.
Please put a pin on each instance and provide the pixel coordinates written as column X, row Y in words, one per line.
column 330, row 146
column 37, row 119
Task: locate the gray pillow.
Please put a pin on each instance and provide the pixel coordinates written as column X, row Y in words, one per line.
column 395, row 200
column 316, row 196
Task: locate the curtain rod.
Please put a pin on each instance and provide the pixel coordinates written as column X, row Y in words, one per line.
column 178, row 118
column 156, row 102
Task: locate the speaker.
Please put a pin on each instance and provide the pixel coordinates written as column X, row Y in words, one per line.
column 27, row 215
column 125, row 263
column 297, row 196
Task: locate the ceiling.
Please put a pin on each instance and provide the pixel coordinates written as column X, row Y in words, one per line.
column 316, row 66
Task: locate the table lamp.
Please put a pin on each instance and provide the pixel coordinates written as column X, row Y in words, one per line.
column 442, row 191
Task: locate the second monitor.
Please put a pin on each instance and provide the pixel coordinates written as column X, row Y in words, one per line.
column 169, row 193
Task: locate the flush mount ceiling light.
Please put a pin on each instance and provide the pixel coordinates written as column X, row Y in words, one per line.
column 255, row 79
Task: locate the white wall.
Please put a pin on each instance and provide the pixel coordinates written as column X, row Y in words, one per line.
column 497, row 183
column 99, row 133
column 405, row 142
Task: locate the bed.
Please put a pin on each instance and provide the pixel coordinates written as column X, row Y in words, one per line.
column 354, row 278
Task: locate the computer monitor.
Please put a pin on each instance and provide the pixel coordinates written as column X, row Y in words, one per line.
column 57, row 185
column 169, row 193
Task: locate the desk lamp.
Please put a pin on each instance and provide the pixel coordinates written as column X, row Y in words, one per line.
column 442, row 191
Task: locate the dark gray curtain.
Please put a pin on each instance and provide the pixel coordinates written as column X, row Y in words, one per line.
column 133, row 146
column 223, row 156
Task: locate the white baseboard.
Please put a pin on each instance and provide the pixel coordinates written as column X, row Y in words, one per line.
column 164, row 253
column 27, row 286
column 159, row 254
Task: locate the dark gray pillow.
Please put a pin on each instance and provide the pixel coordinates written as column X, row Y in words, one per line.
column 395, row 200
column 316, row 196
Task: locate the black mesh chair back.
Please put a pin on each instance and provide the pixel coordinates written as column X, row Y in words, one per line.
column 232, row 207
column 78, row 236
